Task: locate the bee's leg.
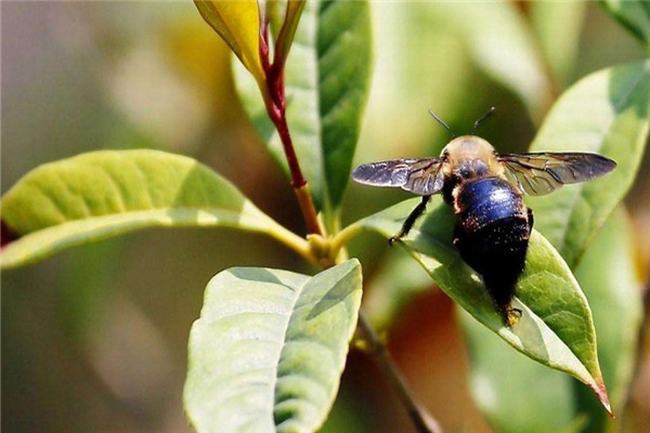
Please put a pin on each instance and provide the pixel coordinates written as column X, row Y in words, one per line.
column 531, row 220
column 511, row 315
column 410, row 220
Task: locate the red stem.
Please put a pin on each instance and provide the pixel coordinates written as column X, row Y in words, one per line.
column 297, row 179
column 276, row 108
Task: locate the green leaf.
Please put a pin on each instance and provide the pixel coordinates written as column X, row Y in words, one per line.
column 634, row 15
column 267, row 352
column 514, row 394
column 608, row 272
column 501, row 381
column 290, row 18
column 557, row 26
column 238, row 24
column 326, row 78
column 501, row 43
column 102, row 194
column 556, row 328
column 606, row 112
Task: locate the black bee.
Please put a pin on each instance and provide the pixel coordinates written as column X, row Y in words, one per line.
column 485, row 190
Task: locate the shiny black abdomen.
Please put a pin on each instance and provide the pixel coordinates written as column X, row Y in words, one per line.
column 492, row 233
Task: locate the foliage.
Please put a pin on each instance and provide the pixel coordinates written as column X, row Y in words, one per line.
column 101, row 194
column 633, row 15
column 503, row 46
column 270, row 345
column 238, row 24
column 607, row 273
column 556, row 328
column 326, row 92
column 606, row 113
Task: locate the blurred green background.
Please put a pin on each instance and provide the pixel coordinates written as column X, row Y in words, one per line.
column 94, row 339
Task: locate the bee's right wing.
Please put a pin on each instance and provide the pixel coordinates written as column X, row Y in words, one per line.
column 543, row 172
column 420, row 176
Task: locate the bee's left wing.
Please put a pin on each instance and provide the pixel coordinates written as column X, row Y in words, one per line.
column 541, row 173
column 421, row 176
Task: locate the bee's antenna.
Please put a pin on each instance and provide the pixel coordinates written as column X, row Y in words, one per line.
column 442, row 122
column 482, row 118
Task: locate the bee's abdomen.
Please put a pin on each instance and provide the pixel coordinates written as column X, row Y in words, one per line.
column 481, row 202
column 492, row 233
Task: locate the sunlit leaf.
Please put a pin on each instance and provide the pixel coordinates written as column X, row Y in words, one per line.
column 513, row 393
column 556, row 328
column 238, row 24
column 634, row 15
column 410, row 75
column 267, row 352
column 557, row 26
column 327, row 78
column 502, row 380
column 501, row 43
column 613, row 286
column 608, row 113
column 102, row 194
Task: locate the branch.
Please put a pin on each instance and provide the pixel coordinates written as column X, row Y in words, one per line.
column 276, row 108
column 423, row 421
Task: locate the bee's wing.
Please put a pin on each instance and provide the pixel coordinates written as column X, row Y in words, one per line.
column 420, row 176
column 541, row 173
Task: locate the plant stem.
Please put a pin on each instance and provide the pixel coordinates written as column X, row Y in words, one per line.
column 275, row 101
column 298, row 181
column 276, row 108
column 423, row 421
column 293, row 242
column 279, row 119
column 343, row 237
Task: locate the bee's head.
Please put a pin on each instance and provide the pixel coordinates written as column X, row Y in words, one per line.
column 468, row 156
column 467, row 147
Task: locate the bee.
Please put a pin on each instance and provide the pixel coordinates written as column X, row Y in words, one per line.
column 486, row 191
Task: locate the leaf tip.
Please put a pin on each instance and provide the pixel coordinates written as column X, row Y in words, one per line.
column 601, row 392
